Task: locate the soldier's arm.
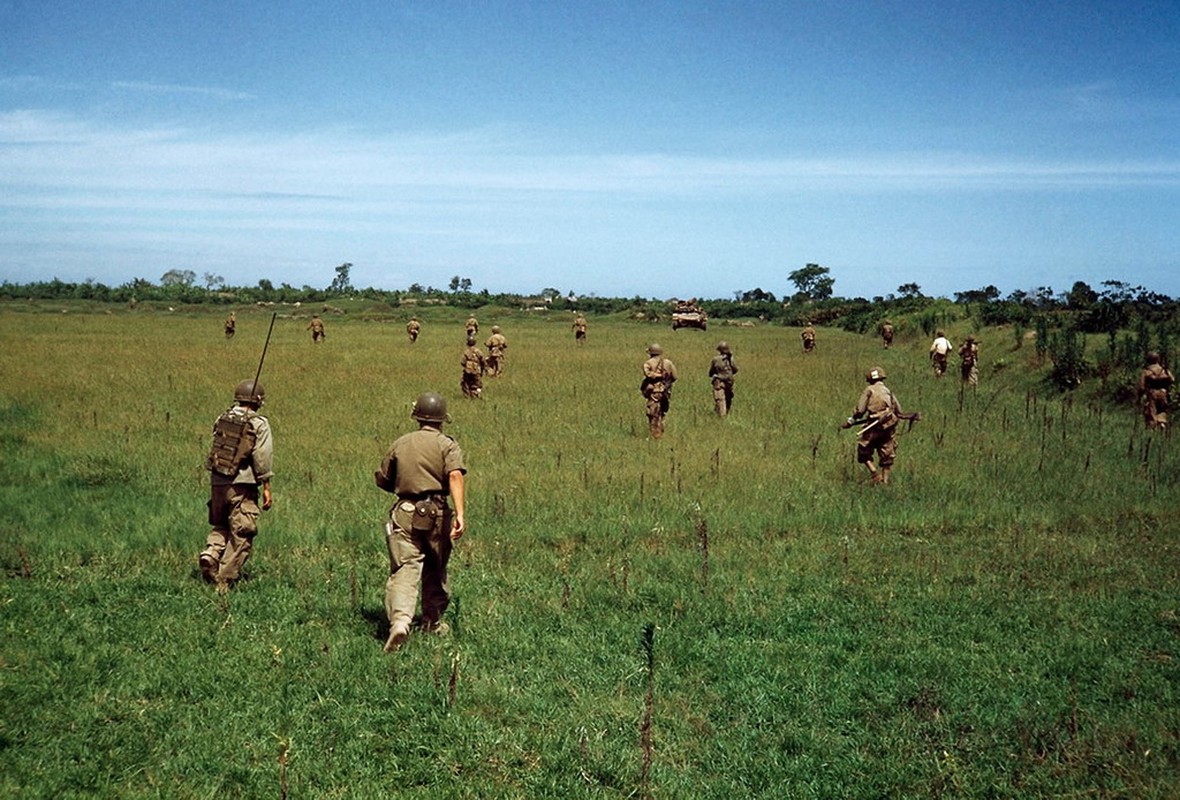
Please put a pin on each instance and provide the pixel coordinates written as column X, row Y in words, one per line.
column 456, row 485
column 384, row 477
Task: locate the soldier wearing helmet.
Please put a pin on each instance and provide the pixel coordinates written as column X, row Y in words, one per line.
column 474, row 365
column 240, row 464
column 939, row 350
column 580, row 328
column 808, row 337
column 721, row 372
column 969, row 361
column 658, row 376
column 472, row 326
column 496, row 345
column 1154, row 383
column 231, row 325
column 879, row 410
column 316, row 326
column 423, row 469
column 887, row 334
column 413, row 327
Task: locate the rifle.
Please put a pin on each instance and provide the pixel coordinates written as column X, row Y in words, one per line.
column 869, row 422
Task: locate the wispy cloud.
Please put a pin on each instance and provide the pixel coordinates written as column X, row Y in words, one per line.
column 172, row 88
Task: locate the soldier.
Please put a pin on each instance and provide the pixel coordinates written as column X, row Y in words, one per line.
column 422, row 468
column 240, row 462
column 721, row 372
column 496, row 345
column 412, row 329
column 474, row 365
column 808, row 337
column 878, row 405
column 658, row 376
column 231, row 325
column 316, row 326
column 968, row 359
column 887, row 334
column 472, row 326
column 1154, row 383
column 938, row 352
column 580, row 328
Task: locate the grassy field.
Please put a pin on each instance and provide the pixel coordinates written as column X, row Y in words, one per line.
column 731, row 611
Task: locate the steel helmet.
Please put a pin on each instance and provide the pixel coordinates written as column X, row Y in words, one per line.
column 495, row 329
column 654, row 349
column 1153, row 357
column 470, row 341
column 723, row 347
column 247, row 392
column 875, row 374
column 430, row 407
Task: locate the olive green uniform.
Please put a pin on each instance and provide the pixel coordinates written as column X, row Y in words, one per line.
column 721, row 372
column 417, row 469
column 658, row 376
column 233, row 504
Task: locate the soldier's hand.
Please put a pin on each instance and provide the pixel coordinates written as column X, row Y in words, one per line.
column 458, row 527
column 267, row 498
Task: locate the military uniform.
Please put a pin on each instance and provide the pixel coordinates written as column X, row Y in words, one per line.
column 721, row 372
column 316, row 326
column 472, row 326
column 1154, row 383
column 808, row 337
column 233, row 502
column 422, row 468
column 474, row 366
column 887, row 334
column 412, row 329
column 496, row 345
column 231, row 326
column 658, row 376
column 580, row 329
column 879, row 405
column 969, row 360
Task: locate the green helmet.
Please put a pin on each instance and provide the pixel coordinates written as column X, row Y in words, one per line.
column 875, row 374
column 247, row 392
column 495, row 329
column 723, row 348
column 430, row 407
column 654, row 349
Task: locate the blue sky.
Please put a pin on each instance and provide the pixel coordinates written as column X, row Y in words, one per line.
column 616, row 148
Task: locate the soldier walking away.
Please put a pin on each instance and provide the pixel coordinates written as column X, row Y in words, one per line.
column 658, row 376
column 422, row 468
column 721, row 372
column 939, row 351
column 579, row 328
column 808, row 337
column 1154, row 382
column 496, row 345
column 969, row 360
column 413, row 327
column 880, row 412
column 474, row 366
column 887, row 334
column 472, row 326
column 240, row 464
column 231, row 325
column 316, row 326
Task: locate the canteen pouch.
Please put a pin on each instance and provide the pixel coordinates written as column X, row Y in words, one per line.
column 426, row 513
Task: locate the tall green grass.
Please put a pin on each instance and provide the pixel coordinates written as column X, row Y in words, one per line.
column 729, row 611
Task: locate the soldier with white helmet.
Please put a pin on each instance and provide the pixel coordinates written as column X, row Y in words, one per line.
column 658, row 376
column 240, row 465
column 423, row 469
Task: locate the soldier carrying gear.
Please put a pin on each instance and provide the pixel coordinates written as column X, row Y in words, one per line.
column 474, row 365
column 1154, row 383
column 880, row 406
column 412, row 329
column 316, row 326
column 808, row 337
column 887, row 333
column 969, row 360
column 721, row 372
column 240, row 464
column 231, row 325
column 496, row 345
column 423, row 468
column 658, row 376
column 580, row 328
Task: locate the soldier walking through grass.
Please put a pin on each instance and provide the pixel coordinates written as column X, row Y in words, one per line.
column 413, row 327
column 969, row 361
column 880, row 412
column 939, row 350
column 240, row 465
column 423, row 469
column 808, row 337
column 887, row 334
column 579, row 328
column 496, row 345
column 721, row 372
column 316, row 326
column 1154, row 382
column 474, row 365
column 472, row 326
column 658, row 376
column 231, row 325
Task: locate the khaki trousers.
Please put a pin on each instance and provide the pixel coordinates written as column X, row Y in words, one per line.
column 233, row 513
column 417, row 558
